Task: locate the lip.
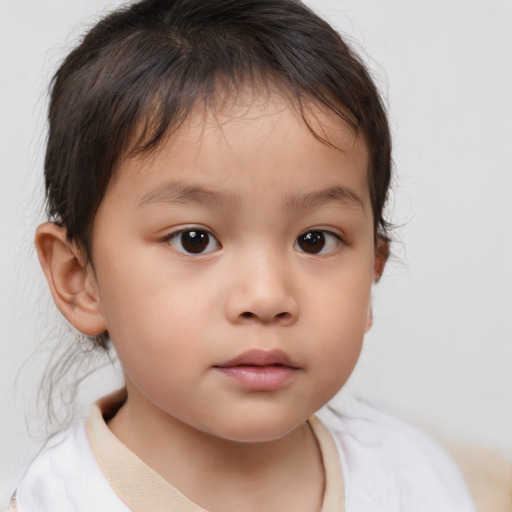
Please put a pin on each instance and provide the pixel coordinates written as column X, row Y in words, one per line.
column 260, row 358
column 260, row 370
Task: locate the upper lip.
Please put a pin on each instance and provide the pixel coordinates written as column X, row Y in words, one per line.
column 258, row 357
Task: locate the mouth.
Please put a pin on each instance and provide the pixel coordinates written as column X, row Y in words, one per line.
column 260, row 370
column 260, row 358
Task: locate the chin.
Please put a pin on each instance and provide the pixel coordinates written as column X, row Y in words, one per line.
column 257, row 430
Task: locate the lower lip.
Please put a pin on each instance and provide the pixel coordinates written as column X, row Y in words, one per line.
column 259, row 378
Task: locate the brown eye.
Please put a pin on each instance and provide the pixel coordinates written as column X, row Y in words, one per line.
column 317, row 242
column 312, row 242
column 194, row 241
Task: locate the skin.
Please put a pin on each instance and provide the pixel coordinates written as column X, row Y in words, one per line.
column 173, row 316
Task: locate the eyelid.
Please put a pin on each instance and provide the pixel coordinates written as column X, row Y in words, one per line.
column 172, row 231
column 329, row 230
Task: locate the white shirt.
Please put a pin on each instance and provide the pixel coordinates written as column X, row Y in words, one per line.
column 386, row 466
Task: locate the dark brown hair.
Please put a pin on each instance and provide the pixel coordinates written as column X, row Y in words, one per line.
column 138, row 73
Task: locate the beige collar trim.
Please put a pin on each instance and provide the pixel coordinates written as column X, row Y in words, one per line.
column 334, row 493
column 142, row 489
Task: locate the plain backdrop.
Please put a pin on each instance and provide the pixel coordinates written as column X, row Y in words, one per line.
column 440, row 351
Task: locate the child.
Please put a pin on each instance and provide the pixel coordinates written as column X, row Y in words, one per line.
column 216, row 173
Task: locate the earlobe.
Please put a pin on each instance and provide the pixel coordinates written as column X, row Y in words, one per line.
column 71, row 280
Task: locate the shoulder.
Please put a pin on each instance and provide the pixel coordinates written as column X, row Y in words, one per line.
column 65, row 476
column 389, row 465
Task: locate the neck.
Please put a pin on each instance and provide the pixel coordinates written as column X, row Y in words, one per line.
column 219, row 474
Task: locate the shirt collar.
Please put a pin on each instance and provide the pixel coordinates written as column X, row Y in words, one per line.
column 141, row 488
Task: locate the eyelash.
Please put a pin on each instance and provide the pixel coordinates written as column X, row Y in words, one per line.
column 203, row 241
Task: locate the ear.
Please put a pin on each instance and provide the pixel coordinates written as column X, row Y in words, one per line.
column 71, row 280
column 381, row 257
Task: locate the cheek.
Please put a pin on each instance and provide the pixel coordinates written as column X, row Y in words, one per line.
column 157, row 318
column 339, row 316
column 159, row 352
column 139, row 285
column 341, row 300
column 339, row 346
column 335, row 359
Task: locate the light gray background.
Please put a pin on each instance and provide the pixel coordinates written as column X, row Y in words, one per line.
column 440, row 351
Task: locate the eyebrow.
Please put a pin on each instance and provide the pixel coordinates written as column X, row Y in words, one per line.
column 180, row 193
column 338, row 193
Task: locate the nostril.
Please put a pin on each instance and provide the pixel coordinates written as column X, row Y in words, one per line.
column 283, row 315
column 282, row 318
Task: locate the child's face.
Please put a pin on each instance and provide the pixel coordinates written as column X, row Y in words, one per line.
column 242, row 237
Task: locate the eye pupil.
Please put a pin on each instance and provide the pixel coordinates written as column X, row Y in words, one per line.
column 312, row 242
column 195, row 241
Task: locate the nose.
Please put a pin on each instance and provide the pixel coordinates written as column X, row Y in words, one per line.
column 261, row 291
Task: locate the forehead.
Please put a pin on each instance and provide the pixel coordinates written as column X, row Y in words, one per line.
column 252, row 131
column 230, row 103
